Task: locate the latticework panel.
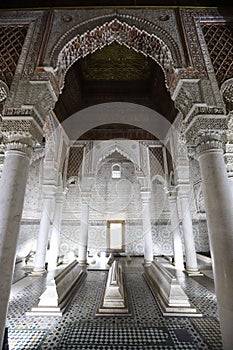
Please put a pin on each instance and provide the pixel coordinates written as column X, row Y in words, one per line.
column 11, row 43
column 75, row 161
column 219, row 40
column 156, row 161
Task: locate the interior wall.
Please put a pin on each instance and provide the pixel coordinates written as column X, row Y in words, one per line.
column 123, row 193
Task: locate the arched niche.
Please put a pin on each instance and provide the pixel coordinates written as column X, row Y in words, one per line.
column 79, row 42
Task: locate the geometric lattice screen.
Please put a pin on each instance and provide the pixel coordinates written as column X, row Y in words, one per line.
column 11, row 43
column 156, row 161
column 75, row 161
column 219, row 40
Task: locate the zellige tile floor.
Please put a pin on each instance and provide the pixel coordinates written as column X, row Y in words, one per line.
column 79, row 327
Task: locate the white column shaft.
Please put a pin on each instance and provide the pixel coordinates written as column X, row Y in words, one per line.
column 146, row 224
column 219, row 203
column 42, row 240
column 190, row 252
column 83, row 240
column 12, row 191
column 176, row 238
column 55, row 235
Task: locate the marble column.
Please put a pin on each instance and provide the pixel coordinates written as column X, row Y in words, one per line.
column 2, row 156
column 12, row 191
column 190, row 251
column 83, row 239
column 146, row 224
column 218, row 204
column 42, row 240
column 55, row 235
column 176, row 237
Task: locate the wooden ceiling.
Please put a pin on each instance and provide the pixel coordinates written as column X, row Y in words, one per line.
column 106, row 3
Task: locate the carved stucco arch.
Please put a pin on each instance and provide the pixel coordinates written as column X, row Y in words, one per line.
column 128, row 153
column 226, row 91
column 115, row 148
column 159, row 178
column 69, row 50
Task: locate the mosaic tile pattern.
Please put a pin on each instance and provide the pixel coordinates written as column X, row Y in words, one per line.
column 114, row 336
column 70, row 231
column 145, row 329
column 27, row 339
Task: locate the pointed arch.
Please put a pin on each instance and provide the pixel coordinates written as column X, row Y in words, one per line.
column 115, row 30
column 119, row 148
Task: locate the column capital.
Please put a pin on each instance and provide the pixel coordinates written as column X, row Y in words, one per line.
column 209, row 140
column 145, row 195
column 203, row 118
column 18, row 141
column 25, row 120
column 172, row 193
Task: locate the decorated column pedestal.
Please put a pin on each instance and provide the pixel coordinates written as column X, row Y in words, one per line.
column 12, row 190
column 146, row 224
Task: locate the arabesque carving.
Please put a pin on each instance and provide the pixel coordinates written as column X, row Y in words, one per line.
column 139, row 40
column 22, row 120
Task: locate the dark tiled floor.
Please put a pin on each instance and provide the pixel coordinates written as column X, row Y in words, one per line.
column 79, row 328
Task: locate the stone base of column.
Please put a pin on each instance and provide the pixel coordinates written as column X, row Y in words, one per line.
column 193, row 272
column 37, row 272
column 147, row 263
column 83, row 263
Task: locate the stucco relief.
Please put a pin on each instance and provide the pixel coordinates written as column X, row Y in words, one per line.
column 115, row 30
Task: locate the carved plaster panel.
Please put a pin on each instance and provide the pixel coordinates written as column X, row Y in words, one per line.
column 200, row 60
column 160, row 22
column 227, row 94
column 191, row 18
column 35, row 20
column 4, row 91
